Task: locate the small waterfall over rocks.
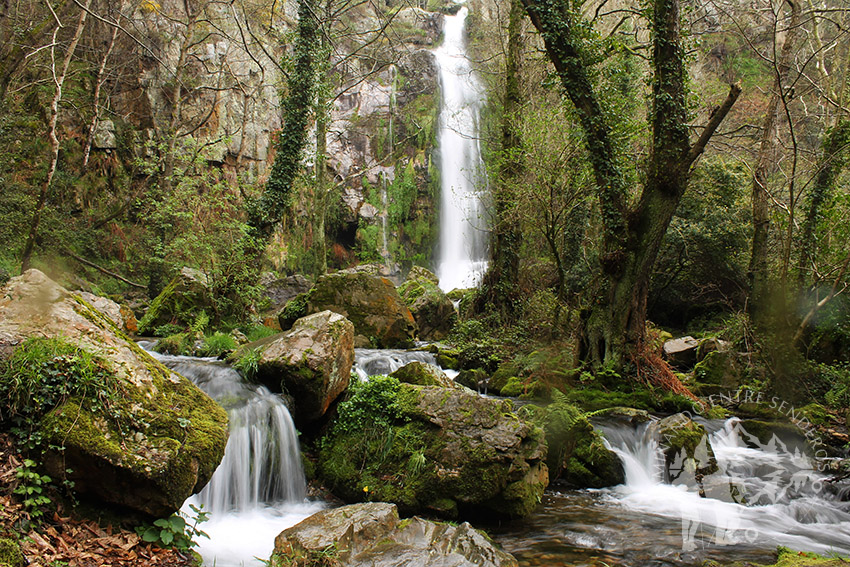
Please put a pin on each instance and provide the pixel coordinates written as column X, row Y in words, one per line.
column 463, row 227
column 259, row 489
column 765, row 493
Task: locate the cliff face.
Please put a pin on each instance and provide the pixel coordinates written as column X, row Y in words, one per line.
column 211, row 73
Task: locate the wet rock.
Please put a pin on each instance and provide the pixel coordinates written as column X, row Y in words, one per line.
column 179, row 303
column 311, row 362
column 371, row 534
column 433, row 312
column 370, row 302
column 688, row 455
column 577, row 454
column 423, row 374
column 148, row 447
column 446, row 451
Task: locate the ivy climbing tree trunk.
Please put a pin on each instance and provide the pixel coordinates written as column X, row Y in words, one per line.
column 500, row 283
column 615, row 321
column 269, row 209
column 759, row 274
column 58, row 86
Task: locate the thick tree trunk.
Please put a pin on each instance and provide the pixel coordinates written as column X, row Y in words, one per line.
column 502, row 278
column 614, row 322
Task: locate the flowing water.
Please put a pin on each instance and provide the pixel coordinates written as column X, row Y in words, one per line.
column 463, row 236
column 258, row 490
column 764, row 495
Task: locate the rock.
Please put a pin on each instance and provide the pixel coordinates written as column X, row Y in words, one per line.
column 719, row 368
column 423, row 374
column 179, row 303
column 446, row 451
column 311, row 362
column 370, row 302
column 433, row 312
column 686, row 448
column 150, row 447
column 105, row 137
column 624, row 415
column 279, row 291
column 371, row 534
column 475, row 379
column 681, row 352
column 121, row 315
column 577, row 454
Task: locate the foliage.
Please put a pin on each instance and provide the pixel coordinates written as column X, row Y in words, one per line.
column 837, row 378
column 175, row 532
column 30, row 488
column 373, row 403
column 257, row 332
column 218, row 344
column 249, row 363
column 43, row 373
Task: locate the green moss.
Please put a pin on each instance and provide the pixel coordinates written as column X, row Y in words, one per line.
column 294, row 309
column 180, row 344
column 10, row 553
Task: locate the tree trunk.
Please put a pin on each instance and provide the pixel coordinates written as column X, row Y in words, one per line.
column 502, row 279
column 59, row 83
column 268, row 210
column 614, row 322
column 760, row 295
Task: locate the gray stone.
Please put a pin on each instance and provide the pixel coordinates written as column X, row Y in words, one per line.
column 371, row 534
column 105, row 137
column 681, row 352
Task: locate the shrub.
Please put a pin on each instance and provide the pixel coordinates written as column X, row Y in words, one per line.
column 218, row 344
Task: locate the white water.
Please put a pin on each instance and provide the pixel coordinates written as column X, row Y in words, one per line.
column 258, row 490
column 374, row 362
column 763, row 495
column 463, row 236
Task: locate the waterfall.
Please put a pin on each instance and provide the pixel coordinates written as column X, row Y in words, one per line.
column 764, row 494
column 463, row 235
column 374, row 362
column 259, row 489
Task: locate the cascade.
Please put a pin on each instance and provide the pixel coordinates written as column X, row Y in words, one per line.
column 372, row 362
column 764, row 494
column 259, row 489
column 463, row 236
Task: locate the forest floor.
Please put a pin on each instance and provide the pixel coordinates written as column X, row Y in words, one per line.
column 60, row 539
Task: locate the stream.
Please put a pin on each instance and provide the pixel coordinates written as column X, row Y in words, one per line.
column 763, row 495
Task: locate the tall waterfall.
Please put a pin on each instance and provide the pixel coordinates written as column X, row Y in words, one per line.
column 463, row 235
column 259, row 489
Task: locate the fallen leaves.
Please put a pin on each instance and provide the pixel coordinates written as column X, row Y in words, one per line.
column 76, row 542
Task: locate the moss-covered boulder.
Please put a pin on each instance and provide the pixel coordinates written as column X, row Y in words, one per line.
column 371, row 303
column 688, row 455
column 577, row 454
column 433, row 312
column 373, row 535
column 133, row 433
column 179, row 304
column 311, row 362
column 445, row 451
column 423, row 374
column 719, row 368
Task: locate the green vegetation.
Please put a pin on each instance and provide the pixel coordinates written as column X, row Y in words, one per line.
column 175, row 532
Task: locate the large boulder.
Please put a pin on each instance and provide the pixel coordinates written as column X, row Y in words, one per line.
column 433, row 312
column 121, row 315
column 178, row 304
column 681, row 352
column 446, row 451
column 372, row 303
column 577, row 454
column 311, row 362
column 373, row 535
column 134, row 433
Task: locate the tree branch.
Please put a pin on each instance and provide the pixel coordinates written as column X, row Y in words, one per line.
column 713, row 123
